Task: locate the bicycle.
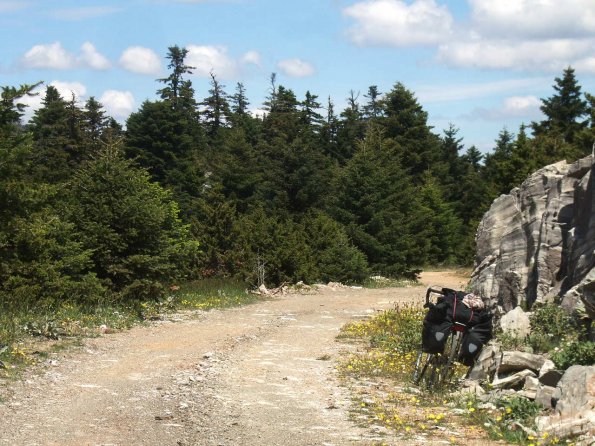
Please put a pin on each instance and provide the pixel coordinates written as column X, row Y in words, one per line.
column 434, row 368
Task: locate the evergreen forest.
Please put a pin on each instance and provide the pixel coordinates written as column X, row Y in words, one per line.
column 194, row 188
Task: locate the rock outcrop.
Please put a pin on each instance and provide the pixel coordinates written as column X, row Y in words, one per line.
column 538, row 242
column 574, row 414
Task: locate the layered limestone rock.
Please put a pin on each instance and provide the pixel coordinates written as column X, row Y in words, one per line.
column 537, row 242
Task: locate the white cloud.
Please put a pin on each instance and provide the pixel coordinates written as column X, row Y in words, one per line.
column 67, row 89
column 74, row 14
column 530, row 55
column 524, row 35
column 518, row 35
column 141, row 60
column 207, row 58
column 251, row 58
column 521, row 105
column 514, row 107
column 296, row 68
column 93, row 58
column 545, row 19
column 118, row 104
column 258, row 112
column 52, row 55
column 397, row 23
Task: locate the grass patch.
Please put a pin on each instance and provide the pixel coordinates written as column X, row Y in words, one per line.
column 29, row 335
column 214, row 293
column 387, row 282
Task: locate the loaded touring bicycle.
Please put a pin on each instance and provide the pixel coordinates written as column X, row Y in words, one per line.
column 455, row 328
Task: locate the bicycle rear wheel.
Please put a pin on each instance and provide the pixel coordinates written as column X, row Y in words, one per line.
column 451, row 354
column 427, row 368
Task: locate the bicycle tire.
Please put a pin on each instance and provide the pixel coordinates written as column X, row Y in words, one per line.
column 426, row 371
column 451, row 353
column 421, row 365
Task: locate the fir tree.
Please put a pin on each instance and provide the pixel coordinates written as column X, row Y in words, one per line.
column 565, row 111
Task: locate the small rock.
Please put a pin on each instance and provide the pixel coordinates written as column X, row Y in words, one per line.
column 512, row 381
column 164, row 417
column 207, row 355
column 544, row 396
column 551, row 378
column 487, row 363
column 513, row 361
column 547, row 366
column 516, row 323
column 531, row 384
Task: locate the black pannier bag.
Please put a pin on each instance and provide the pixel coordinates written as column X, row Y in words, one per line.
column 440, row 318
column 474, row 340
column 434, row 336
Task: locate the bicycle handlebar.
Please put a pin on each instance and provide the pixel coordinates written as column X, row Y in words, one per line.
column 433, row 290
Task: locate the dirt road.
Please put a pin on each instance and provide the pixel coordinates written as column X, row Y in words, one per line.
column 258, row 375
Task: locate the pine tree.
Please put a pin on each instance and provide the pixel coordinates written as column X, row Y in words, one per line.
column 373, row 108
column 405, row 121
column 216, row 108
column 565, row 111
column 351, row 128
column 55, row 128
column 131, row 225
column 177, row 90
column 498, row 165
column 311, row 119
column 373, row 201
column 94, row 125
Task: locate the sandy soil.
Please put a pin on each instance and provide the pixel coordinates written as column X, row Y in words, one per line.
column 258, row 375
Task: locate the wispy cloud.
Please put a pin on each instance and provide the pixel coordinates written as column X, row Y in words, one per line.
column 459, row 92
column 514, row 107
column 83, row 13
column 11, row 6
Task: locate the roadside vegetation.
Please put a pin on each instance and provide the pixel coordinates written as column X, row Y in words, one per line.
column 384, row 399
column 28, row 336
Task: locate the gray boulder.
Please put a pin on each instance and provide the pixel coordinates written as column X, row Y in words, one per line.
column 537, row 242
column 544, row 396
column 487, row 363
column 574, row 414
column 516, row 323
column 513, row 361
column 513, row 381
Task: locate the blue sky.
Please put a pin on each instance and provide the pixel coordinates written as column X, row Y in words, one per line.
column 479, row 64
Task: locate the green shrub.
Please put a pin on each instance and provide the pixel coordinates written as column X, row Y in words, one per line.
column 398, row 330
column 550, row 326
column 574, row 353
column 131, row 225
column 335, row 257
